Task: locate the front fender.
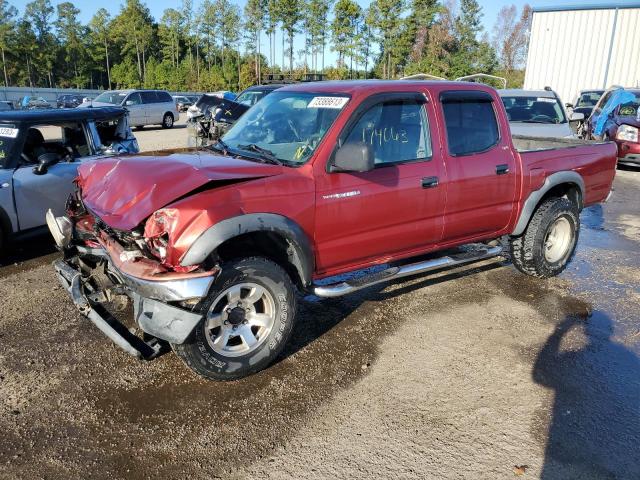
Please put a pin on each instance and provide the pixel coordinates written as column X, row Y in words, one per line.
column 300, row 254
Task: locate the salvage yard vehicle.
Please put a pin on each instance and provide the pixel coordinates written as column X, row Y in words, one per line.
column 146, row 107
column 538, row 113
column 324, row 189
column 619, row 120
column 182, row 102
column 214, row 115
column 40, row 151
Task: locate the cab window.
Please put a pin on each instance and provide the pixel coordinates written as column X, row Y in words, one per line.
column 67, row 140
column 470, row 122
column 396, row 130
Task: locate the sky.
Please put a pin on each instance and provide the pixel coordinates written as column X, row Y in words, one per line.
column 490, row 9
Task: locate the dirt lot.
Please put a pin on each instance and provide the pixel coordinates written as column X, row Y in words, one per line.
column 465, row 374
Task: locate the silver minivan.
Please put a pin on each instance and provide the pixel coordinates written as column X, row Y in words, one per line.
column 146, row 107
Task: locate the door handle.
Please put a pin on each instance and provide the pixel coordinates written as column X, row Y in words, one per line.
column 502, row 169
column 429, row 182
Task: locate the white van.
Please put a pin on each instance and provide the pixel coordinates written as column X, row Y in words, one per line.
column 146, row 107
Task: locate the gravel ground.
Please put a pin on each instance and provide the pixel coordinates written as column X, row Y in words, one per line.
column 478, row 372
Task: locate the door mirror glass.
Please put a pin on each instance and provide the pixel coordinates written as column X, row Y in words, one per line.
column 354, row 157
column 45, row 161
column 576, row 117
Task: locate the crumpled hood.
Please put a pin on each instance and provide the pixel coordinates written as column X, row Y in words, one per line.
column 123, row 191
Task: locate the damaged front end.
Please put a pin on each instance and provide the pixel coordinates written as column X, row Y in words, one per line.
column 106, row 272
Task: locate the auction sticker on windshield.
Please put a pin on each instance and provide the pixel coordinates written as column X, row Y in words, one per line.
column 328, row 102
column 8, row 132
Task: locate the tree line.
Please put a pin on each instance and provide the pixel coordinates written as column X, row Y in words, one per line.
column 217, row 46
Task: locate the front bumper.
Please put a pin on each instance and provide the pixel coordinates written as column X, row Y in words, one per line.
column 95, row 277
column 157, row 319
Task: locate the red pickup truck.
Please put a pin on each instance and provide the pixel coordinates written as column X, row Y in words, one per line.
column 212, row 246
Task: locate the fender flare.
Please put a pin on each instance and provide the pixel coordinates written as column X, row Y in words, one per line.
column 300, row 252
column 531, row 203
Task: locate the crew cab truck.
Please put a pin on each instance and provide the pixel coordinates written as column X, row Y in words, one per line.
column 316, row 181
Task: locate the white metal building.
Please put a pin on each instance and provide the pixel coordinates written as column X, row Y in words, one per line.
column 581, row 47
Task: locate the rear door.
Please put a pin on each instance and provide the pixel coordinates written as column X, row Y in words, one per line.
column 395, row 208
column 481, row 168
column 151, row 108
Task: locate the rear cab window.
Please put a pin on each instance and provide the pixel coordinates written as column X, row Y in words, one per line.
column 470, row 121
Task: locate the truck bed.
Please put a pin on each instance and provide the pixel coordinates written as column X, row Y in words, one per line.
column 525, row 143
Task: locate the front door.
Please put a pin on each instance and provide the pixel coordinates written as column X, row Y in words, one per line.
column 136, row 108
column 481, row 168
column 396, row 207
column 35, row 194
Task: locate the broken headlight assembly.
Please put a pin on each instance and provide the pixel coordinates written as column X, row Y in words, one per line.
column 627, row 133
column 157, row 230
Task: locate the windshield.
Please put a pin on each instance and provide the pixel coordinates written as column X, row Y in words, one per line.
column 630, row 109
column 588, row 99
column 534, row 110
column 250, row 98
column 114, row 98
column 290, row 125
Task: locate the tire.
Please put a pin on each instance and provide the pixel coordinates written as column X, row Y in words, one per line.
column 549, row 242
column 219, row 347
column 167, row 121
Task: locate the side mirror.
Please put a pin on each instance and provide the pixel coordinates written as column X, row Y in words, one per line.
column 128, row 103
column 568, row 105
column 576, row 117
column 44, row 162
column 353, row 157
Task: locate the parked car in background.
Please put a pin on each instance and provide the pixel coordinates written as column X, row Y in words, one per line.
column 537, row 113
column 324, row 189
column 215, row 115
column 194, row 110
column 182, row 102
column 597, row 109
column 34, row 103
column 146, row 107
column 40, row 152
column 585, row 102
column 69, row 100
column 618, row 120
column 6, row 105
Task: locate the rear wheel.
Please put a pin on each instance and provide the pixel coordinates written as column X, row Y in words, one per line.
column 549, row 242
column 248, row 319
column 167, row 120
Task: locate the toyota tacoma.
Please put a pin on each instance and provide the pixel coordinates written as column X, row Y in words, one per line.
column 320, row 188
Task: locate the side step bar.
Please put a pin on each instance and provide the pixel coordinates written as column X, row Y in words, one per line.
column 392, row 273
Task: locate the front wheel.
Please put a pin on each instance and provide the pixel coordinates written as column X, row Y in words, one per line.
column 249, row 315
column 167, row 120
column 549, row 242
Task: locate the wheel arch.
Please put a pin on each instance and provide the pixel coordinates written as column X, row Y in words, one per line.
column 271, row 235
column 559, row 184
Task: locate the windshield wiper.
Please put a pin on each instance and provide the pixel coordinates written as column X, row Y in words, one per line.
column 221, row 146
column 263, row 152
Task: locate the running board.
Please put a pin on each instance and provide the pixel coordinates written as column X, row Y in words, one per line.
column 392, row 273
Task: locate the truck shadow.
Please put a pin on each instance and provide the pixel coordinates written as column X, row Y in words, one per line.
column 38, row 248
column 595, row 420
